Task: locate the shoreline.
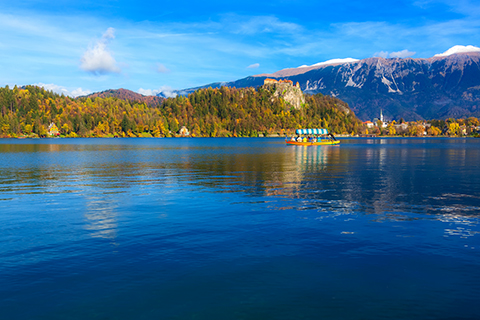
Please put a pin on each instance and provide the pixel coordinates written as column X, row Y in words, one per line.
column 268, row 136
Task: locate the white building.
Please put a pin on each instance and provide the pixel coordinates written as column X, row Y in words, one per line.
column 382, row 119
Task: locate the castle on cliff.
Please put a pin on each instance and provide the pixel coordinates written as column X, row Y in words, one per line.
column 292, row 94
column 273, row 81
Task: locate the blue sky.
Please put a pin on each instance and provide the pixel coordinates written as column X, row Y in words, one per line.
column 88, row 46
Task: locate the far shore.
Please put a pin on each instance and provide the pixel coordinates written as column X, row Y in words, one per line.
column 259, row 136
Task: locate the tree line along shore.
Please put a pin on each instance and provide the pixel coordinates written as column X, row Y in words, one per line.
column 32, row 111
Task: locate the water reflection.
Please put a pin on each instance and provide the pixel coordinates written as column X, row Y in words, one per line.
column 461, row 232
column 390, row 177
column 304, row 167
column 101, row 218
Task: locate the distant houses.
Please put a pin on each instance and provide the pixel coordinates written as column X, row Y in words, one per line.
column 399, row 127
column 393, row 128
column 420, row 128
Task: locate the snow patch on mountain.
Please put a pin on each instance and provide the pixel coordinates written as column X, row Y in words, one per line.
column 331, row 61
column 352, row 83
column 458, row 49
column 314, row 85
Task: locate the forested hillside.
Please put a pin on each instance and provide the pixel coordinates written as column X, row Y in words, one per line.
column 224, row 112
column 128, row 95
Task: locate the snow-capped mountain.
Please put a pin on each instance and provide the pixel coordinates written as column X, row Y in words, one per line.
column 446, row 85
column 331, row 62
column 458, row 49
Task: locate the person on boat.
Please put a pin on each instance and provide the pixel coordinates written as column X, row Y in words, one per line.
column 299, row 139
column 293, row 138
column 304, row 139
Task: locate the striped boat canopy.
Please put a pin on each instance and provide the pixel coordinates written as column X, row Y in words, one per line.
column 311, row 131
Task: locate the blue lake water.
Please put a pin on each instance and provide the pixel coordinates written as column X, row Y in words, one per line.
column 239, row 229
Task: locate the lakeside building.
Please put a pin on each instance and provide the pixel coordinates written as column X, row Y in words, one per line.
column 381, row 119
column 183, row 132
column 400, row 126
column 53, row 130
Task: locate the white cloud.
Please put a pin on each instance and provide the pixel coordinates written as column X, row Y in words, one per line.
column 250, row 25
column 399, row 54
column 162, row 69
column 62, row 90
column 458, row 49
column 402, row 54
column 254, row 66
column 167, row 91
column 52, row 87
column 147, row 92
column 80, row 92
column 381, row 54
column 98, row 59
column 109, row 34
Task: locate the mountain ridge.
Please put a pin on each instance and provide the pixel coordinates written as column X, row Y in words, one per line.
column 411, row 88
column 126, row 94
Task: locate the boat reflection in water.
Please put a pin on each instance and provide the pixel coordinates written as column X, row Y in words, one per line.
column 305, row 172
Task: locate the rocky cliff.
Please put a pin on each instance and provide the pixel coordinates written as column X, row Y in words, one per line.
column 439, row 87
column 293, row 95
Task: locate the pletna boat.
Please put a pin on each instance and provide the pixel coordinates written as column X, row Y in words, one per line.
column 312, row 137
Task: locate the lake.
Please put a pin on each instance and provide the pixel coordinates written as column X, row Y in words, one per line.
column 220, row 228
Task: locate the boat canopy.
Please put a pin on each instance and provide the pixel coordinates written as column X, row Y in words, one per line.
column 311, row 131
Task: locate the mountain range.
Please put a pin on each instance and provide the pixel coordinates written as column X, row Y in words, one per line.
column 446, row 85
